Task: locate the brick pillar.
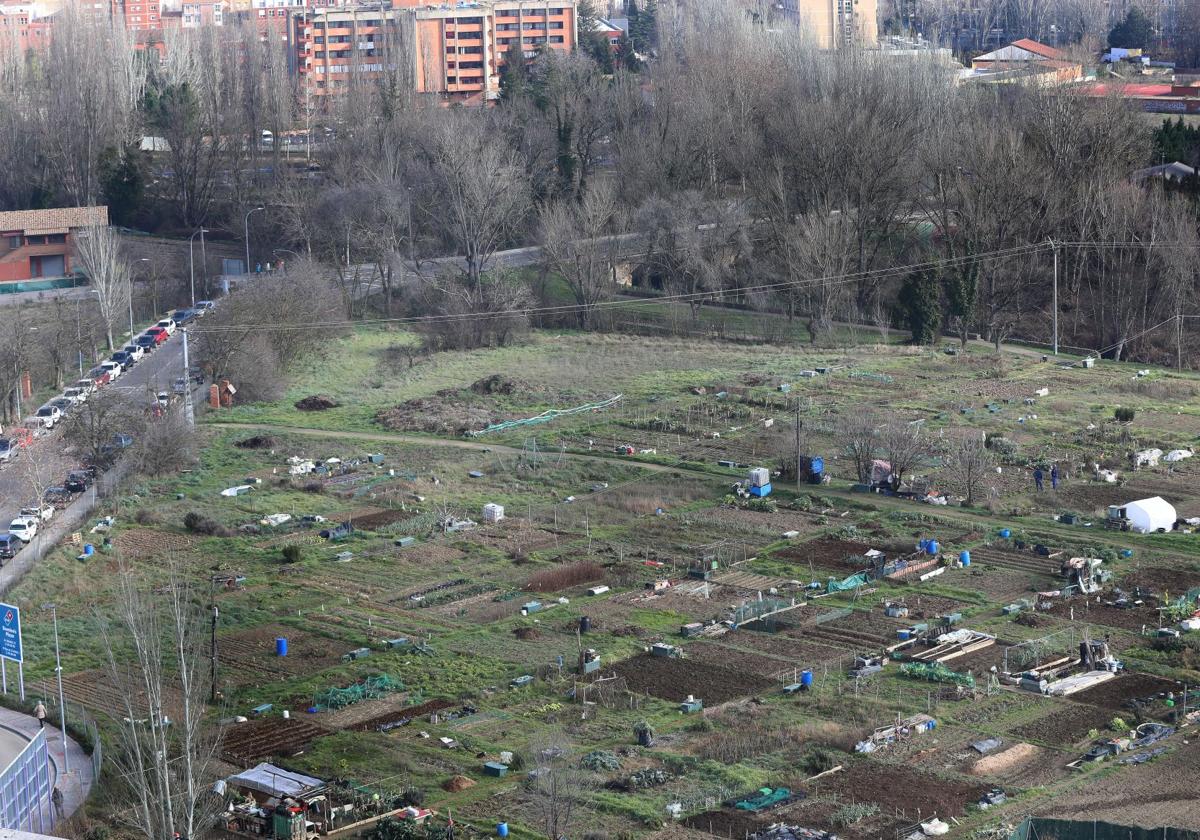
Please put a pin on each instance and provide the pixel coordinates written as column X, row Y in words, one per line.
column 26, row 386
column 214, row 398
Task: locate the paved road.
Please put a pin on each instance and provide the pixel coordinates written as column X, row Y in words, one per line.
column 46, row 462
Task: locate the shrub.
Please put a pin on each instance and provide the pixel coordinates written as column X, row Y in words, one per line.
column 560, row 577
column 147, row 516
column 413, row 796
column 291, row 554
column 199, row 524
column 1123, row 414
column 600, row 760
column 817, row 760
column 1118, row 725
column 848, row 815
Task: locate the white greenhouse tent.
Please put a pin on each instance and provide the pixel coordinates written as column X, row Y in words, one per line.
column 1149, row 515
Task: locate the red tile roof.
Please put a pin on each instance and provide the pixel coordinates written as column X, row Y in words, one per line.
column 1038, row 49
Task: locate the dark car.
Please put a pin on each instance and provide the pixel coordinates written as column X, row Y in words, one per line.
column 63, row 404
column 77, row 481
column 57, row 496
column 183, row 316
column 125, row 360
column 10, row 544
column 146, row 342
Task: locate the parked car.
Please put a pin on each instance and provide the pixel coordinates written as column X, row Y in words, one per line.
column 114, row 369
column 10, row 545
column 36, row 426
column 123, row 359
column 88, row 386
column 49, row 415
column 184, row 316
column 99, row 376
column 135, row 351
column 25, row 527
column 77, row 481
column 42, row 513
column 203, row 307
column 75, row 394
column 58, row 496
column 167, row 324
column 146, row 342
column 8, row 450
column 63, row 404
column 159, row 334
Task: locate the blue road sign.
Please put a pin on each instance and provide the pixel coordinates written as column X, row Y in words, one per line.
column 10, row 632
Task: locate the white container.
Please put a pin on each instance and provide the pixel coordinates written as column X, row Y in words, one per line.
column 493, row 512
column 760, row 477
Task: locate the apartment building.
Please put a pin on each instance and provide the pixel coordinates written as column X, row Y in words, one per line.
column 203, row 13
column 37, row 244
column 453, row 51
column 836, row 24
column 138, row 15
column 26, row 27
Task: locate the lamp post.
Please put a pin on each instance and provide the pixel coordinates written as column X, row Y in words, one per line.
column 246, row 230
column 62, row 705
column 192, row 261
column 142, row 260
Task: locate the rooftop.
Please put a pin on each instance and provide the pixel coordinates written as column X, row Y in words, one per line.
column 56, row 219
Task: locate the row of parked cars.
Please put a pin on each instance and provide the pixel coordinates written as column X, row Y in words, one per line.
column 54, row 411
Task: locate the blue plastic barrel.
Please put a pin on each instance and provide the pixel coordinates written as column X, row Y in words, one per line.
column 88, row 549
column 964, row 557
column 902, row 635
column 806, row 678
column 1005, row 533
column 501, row 829
column 923, row 545
column 281, row 646
column 933, row 547
column 1127, row 552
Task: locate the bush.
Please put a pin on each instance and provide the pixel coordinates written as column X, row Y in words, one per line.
column 600, row 760
column 1123, row 414
column 291, row 554
column 848, row 815
column 199, row 524
column 413, row 796
column 818, row 760
column 1118, row 725
column 147, row 516
column 560, row 577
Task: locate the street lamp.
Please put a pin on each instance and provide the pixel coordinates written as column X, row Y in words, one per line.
column 145, row 260
column 192, row 260
column 62, row 705
column 246, row 228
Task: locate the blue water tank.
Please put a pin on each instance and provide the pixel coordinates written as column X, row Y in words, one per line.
column 281, row 646
column 902, row 635
column 933, row 547
column 817, row 466
column 1127, row 552
column 502, row 829
column 806, row 678
column 923, row 545
column 1005, row 533
column 88, row 549
column 964, row 557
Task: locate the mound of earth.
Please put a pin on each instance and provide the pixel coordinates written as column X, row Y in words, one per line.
column 445, row 413
column 498, row 384
column 527, row 634
column 316, row 402
column 257, row 442
column 456, row 783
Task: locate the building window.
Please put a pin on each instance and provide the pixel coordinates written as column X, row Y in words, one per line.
column 556, row 39
column 556, row 24
column 14, row 242
column 556, row 11
column 534, row 25
column 449, row 36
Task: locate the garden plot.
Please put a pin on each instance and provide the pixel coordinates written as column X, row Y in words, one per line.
column 673, row 679
column 1173, row 582
column 1091, row 610
column 247, row 658
column 245, row 744
column 770, row 525
column 828, row 553
column 1000, row 585
column 143, row 543
column 97, row 691
column 779, row 646
column 1125, row 690
column 1068, row 723
column 763, row 665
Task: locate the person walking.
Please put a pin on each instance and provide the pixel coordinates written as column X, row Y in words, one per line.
column 1038, row 477
column 39, row 712
column 57, row 799
column 1054, row 476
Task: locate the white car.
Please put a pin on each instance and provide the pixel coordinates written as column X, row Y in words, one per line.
column 88, row 386
column 113, row 368
column 42, row 513
column 167, row 324
column 75, row 394
column 135, row 352
column 25, row 527
column 49, row 415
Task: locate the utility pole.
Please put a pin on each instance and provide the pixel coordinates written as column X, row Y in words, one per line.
column 1054, row 248
column 62, row 704
column 212, row 689
column 798, row 424
column 188, row 412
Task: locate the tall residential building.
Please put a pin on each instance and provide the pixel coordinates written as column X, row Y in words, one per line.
column 138, row 14
column 454, row 51
column 26, row 27
column 836, row 24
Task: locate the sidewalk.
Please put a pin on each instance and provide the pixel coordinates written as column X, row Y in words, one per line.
column 75, row 785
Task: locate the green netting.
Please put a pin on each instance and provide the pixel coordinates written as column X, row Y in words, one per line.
column 852, row 582
column 936, row 672
column 547, row 416
column 1041, row 828
column 371, row 688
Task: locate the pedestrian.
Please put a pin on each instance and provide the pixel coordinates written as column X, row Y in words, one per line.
column 1054, row 476
column 57, row 799
column 39, row 712
column 1038, row 476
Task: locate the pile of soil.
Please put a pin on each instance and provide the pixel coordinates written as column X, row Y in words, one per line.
column 456, row 783
column 498, row 384
column 316, row 402
column 527, row 634
column 257, row 442
column 1005, row 761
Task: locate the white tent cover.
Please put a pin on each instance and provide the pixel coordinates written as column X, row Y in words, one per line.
column 1149, row 515
column 275, row 781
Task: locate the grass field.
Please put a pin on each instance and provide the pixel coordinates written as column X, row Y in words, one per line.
column 581, row 513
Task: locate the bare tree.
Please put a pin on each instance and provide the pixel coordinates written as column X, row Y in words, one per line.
column 557, row 784
column 859, row 434
column 107, row 270
column 579, row 242
column 165, row 742
column 969, row 461
column 905, row 446
column 92, row 426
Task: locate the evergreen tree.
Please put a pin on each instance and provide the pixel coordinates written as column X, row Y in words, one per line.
column 121, row 181
column 514, row 77
column 1134, row 32
column 643, row 27
column 920, row 300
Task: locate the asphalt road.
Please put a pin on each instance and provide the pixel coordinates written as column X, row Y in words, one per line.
column 46, row 461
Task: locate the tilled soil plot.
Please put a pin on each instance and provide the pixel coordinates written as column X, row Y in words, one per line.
column 829, row 553
column 247, row 743
column 1171, row 581
column 98, row 691
column 1121, row 692
column 1065, row 726
column 1088, row 610
column 674, row 679
column 140, row 543
column 727, row 823
column 717, row 654
column 248, row 657
column 788, row 647
column 384, row 720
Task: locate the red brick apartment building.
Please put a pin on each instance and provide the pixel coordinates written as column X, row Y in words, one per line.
column 457, row 51
column 35, row 245
column 25, row 27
